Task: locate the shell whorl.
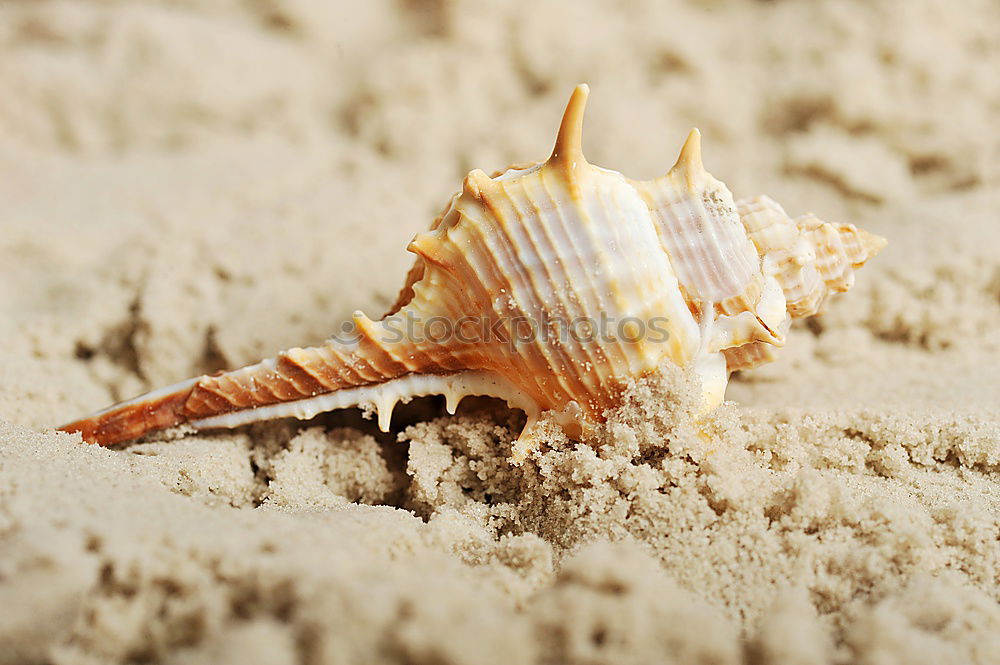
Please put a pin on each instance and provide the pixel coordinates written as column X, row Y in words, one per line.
column 557, row 283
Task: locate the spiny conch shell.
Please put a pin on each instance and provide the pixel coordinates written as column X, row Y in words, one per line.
column 549, row 286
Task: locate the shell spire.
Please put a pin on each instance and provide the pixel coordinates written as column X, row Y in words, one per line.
column 871, row 244
column 673, row 268
column 690, row 158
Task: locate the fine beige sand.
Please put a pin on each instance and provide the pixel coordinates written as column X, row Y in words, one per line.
column 187, row 185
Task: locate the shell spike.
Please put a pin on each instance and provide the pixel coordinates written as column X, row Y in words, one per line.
column 526, row 442
column 690, row 158
column 452, row 398
column 384, row 408
column 478, row 184
column 569, row 141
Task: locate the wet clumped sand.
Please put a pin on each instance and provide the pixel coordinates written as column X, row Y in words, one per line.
column 187, row 187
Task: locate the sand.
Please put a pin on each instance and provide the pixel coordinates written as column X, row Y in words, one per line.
column 186, row 186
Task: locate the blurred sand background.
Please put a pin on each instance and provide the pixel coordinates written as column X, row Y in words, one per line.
column 187, row 185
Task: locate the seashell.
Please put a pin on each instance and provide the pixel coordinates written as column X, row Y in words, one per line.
column 558, row 282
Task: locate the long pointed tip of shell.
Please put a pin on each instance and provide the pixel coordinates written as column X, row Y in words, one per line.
column 871, row 243
column 569, row 142
column 690, row 157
